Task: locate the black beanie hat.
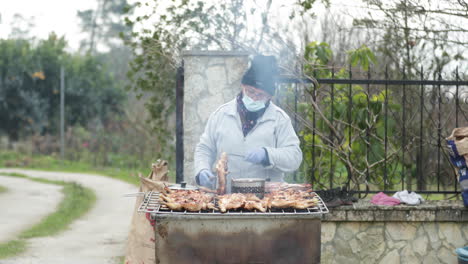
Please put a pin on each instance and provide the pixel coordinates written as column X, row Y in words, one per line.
column 262, row 74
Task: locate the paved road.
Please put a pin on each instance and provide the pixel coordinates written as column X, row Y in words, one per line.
column 98, row 237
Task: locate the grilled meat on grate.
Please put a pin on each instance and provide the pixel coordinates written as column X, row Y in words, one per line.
column 281, row 186
column 189, row 200
column 236, row 201
column 291, row 198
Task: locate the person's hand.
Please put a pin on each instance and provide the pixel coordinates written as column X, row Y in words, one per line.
column 256, row 156
column 206, row 178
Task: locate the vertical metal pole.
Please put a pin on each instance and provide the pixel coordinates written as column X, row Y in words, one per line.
column 403, row 136
column 386, row 124
column 295, row 107
column 421, row 135
column 332, row 135
column 350, row 116
column 457, row 102
column 62, row 113
column 295, row 121
column 457, row 107
column 439, row 130
column 367, row 128
column 180, row 124
column 314, row 97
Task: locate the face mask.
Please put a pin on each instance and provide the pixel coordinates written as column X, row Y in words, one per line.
column 251, row 105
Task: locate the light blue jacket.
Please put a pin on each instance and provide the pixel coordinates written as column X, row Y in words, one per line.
column 273, row 131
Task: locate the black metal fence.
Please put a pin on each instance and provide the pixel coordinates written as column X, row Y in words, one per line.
column 369, row 134
column 376, row 135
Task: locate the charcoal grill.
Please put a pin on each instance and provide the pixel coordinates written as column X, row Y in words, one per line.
column 151, row 204
column 237, row 236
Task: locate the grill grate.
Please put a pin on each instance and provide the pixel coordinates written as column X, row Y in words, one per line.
column 151, row 204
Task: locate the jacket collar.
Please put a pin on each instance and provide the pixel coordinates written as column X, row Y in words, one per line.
column 268, row 115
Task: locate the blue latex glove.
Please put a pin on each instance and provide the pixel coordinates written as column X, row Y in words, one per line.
column 257, row 156
column 206, row 178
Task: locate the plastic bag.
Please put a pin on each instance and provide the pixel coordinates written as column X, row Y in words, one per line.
column 457, row 144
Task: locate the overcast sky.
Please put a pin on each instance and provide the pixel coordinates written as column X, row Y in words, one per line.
column 52, row 15
column 60, row 16
column 49, row 15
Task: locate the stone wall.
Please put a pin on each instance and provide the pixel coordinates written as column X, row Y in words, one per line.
column 365, row 233
column 211, row 78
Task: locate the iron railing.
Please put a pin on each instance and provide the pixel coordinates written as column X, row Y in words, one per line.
column 398, row 139
column 397, row 130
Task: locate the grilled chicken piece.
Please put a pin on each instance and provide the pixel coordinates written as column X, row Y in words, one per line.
column 252, row 205
column 252, row 197
column 306, row 204
column 292, row 198
column 266, row 202
column 167, row 199
column 194, row 207
column 241, row 201
column 189, row 200
column 174, row 206
column 222, row 171
column 282, row 203
column 167, row 190
column 231, row 201
column 253, row 202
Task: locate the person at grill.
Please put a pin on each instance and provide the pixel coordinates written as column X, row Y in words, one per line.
column 257, row 135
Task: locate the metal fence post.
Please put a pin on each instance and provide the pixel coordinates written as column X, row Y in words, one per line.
column 180, row 124
column 403, row 138
column 386, row 126
column 62, row 113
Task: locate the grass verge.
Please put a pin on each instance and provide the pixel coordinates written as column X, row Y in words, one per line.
column 76, row 202
column 3, row 189
column 12, row 248
column 52, row 163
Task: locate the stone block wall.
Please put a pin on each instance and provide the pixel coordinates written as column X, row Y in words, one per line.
column 211, row 78
column 429, row 233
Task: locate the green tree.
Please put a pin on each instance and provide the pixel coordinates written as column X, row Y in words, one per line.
column 20, row 106
column 30, row 93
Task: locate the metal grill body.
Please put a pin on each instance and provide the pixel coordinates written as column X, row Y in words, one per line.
column 281, row 236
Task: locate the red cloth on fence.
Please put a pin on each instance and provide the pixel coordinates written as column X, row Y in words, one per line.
column 383, row 199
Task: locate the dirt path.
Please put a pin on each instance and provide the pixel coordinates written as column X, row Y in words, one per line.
column 97, row 237
column 21, row 192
